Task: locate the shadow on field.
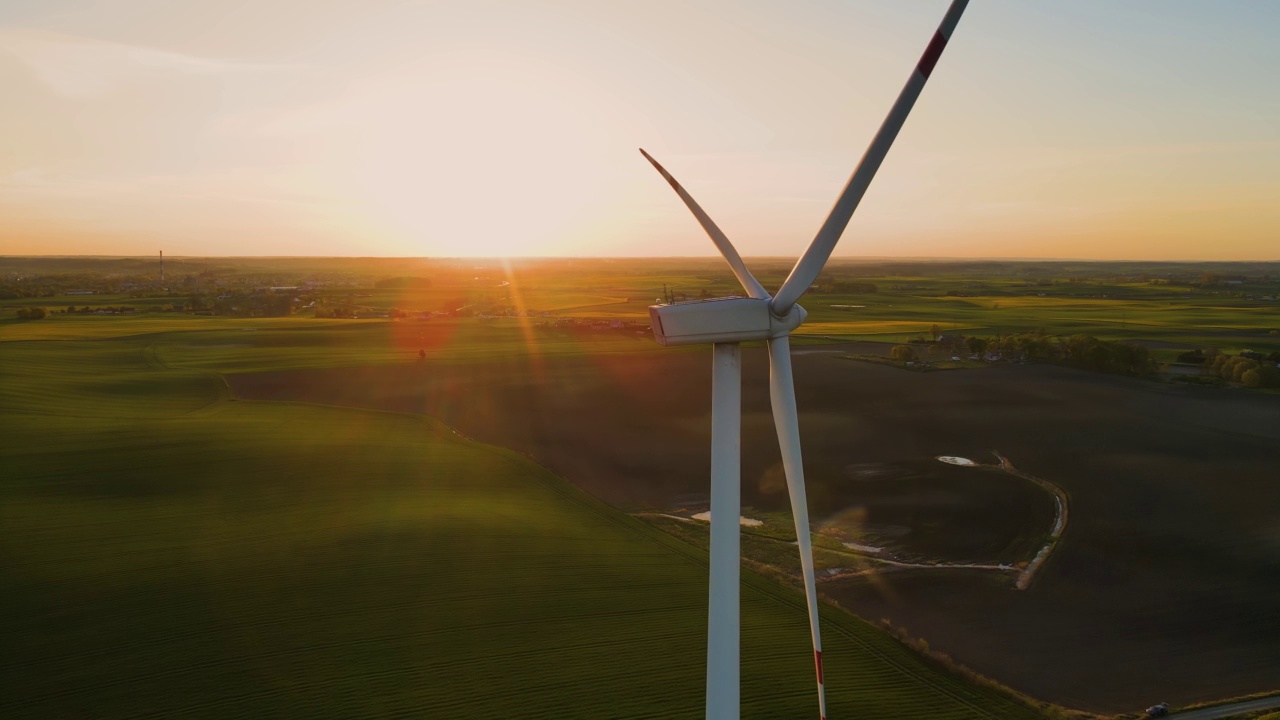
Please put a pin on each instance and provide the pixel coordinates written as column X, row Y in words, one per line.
column 1162, row 588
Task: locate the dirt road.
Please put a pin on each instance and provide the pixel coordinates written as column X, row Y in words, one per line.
column 1226, row 711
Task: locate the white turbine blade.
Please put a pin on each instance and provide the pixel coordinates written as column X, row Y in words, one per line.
column 782, row 395
column 815, row 257
column 749, row 283
column 723, row 690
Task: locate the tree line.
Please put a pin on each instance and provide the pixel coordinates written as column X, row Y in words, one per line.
column 1081, row 351
column 1244, row 370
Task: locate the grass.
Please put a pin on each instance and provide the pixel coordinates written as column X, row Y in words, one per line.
column 868, row 327
column 986, row 299
column 86, row 327
column 1174, row 321
column 168, row 551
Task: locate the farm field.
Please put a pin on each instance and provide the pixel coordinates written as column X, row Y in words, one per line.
column 1169, row 560
column 155, row 449
column 169, row 550
column 1171, row 306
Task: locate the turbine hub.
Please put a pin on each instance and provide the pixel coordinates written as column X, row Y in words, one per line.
column 783, row 325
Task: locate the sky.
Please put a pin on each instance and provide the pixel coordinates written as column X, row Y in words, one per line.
column 1091, row 129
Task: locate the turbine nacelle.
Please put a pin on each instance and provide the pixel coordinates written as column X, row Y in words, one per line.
column 721, row 320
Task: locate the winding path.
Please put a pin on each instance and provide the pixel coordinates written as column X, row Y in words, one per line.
column 879, row 564
column 1027, row 574
column 1059, row 522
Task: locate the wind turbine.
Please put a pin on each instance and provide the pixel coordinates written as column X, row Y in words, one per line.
column 726, row 322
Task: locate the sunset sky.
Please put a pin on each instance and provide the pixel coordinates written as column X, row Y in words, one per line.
column 1088, row 129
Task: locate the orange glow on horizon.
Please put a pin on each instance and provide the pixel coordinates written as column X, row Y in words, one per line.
column 451, row 130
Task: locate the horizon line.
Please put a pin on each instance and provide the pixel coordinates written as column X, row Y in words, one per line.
column 864, row 258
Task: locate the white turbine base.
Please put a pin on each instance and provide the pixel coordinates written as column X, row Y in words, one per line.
column 723, row 609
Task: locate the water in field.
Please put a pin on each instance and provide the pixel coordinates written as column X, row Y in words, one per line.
column 742, row 519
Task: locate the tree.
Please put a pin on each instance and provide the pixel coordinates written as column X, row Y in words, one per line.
column 903, row 353
column 403, row 283
column 935, row 331
column 977, row 345
column 1009, row 347
column 1225, row 368
column 278, row 305
column 1240, row 367
column 1252, row 378
column 1102, row 356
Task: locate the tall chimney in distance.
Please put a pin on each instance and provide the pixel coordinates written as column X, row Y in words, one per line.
column 162, row 267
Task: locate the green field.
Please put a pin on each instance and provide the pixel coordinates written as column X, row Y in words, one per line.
column 171, row 551
column 1172, row 306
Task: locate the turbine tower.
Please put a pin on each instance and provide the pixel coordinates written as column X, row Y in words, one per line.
column 724, row 323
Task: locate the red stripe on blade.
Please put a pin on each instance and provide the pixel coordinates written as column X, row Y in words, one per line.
column 817, row 659
column 931, row 54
